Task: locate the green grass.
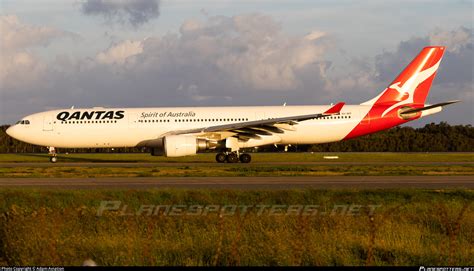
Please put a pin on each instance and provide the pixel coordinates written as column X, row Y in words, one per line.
column 236, row 170
column 411, row 227
column 257, row 157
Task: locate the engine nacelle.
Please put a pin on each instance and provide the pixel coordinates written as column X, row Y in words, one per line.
column 183, row 145
column 156, row 152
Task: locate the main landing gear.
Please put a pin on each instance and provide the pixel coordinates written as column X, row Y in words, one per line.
column 53, row 155
column 233, row 157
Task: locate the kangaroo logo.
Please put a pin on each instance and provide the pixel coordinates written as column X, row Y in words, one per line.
column 407, row 90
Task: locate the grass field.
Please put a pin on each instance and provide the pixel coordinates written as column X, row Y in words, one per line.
column 409, row 227
column 256, row 157
column 214, row 170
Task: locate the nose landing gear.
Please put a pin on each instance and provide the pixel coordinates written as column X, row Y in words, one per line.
column 233, row 157
column 53, row 155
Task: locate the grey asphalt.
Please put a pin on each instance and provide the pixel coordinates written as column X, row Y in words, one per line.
column 326, row 182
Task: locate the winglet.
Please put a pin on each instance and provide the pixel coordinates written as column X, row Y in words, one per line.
column 335, row 109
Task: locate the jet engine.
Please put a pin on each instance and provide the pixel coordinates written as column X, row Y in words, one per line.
column 183, row 145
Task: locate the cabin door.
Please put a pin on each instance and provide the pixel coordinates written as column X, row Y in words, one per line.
column 48, row 123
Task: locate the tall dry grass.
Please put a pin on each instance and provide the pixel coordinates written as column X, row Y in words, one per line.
column 410, row 228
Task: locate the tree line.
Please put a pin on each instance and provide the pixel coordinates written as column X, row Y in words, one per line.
column 432, row 137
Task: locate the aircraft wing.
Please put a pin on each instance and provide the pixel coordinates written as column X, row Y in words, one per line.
column 253, row 129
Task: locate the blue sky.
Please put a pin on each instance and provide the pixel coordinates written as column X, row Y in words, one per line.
column 92, row 52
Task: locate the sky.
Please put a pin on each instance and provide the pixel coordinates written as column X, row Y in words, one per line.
column 150, row 53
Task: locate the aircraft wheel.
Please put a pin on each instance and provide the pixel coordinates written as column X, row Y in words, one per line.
column 245, row 158
column 53, row 159
column 232, row 157
column 221, row 157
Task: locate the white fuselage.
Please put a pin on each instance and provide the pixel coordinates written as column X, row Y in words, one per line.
column 137, row 126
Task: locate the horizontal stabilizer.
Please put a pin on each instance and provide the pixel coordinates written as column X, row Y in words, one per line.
column 415, row 110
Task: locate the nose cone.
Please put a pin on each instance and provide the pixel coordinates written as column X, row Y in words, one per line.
column 11, row 131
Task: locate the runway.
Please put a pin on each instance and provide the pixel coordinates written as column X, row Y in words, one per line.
column 325, row 182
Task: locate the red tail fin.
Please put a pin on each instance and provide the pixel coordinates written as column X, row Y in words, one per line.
column 413, row 84
column 409, row 89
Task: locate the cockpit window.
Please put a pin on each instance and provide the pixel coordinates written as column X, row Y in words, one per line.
column 23, row 122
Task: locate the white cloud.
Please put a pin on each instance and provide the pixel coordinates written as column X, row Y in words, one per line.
column 19, row 66
column 314, row 35
column 16, row 35
column 455, row 40
column 249, row 50
column 119, row 53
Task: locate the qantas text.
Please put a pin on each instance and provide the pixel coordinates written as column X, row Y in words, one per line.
column 89, row 115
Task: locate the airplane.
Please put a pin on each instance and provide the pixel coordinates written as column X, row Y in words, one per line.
column 182, row 131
